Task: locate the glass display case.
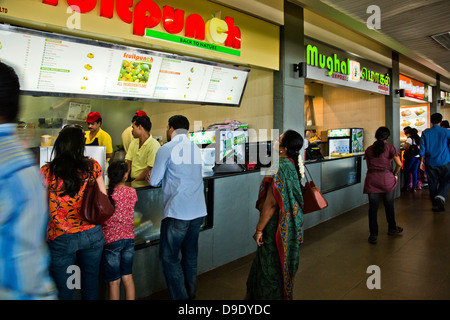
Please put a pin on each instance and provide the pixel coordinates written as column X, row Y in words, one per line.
column 149, row 211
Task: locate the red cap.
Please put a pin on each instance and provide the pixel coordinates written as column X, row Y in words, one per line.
column 140, row 113
column 92, row 117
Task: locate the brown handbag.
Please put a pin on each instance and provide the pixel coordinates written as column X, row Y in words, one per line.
column 96, row 207
column 313, row 200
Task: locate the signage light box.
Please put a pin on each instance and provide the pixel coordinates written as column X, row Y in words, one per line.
column 49, row 64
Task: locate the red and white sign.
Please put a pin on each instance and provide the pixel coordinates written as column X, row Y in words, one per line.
column 413, row 88
column 147, row 14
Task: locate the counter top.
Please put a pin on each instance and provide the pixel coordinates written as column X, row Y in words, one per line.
column 141, row 185
column 329, row 158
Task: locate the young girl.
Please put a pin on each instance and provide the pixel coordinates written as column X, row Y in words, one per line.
column 118, row 231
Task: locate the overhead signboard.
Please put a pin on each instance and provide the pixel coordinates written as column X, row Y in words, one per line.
column 414, row 89
column 332, row 65
column 51, row 64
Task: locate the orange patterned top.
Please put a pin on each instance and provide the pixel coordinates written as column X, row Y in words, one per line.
column 65, row 211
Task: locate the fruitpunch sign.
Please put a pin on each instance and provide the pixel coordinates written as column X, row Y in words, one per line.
column 146, row 14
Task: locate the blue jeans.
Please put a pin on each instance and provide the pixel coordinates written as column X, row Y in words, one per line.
column 181, row 274
column 118, row 259
column 86, row 247
column 411, row 167
column 438, row 179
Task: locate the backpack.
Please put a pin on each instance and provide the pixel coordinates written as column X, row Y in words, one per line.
column 412, row 151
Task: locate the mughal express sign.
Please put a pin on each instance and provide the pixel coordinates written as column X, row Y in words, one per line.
column 220, row 35
column 329, row 65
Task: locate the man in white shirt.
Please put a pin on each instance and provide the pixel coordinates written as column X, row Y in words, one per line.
column 178, row 167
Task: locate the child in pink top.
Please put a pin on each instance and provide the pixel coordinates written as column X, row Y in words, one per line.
column 118, row 231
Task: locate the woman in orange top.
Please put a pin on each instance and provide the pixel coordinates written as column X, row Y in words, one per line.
column 69, row 236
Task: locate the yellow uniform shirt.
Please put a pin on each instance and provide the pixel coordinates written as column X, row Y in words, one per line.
column 102, row 138
column 127, row 137
column 142, row 157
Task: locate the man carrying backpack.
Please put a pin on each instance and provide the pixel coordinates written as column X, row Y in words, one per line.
column 434, row 147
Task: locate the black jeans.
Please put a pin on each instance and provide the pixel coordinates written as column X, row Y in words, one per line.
column 374, row 200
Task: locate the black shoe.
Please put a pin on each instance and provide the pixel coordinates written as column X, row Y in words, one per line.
column 396, row 231
column 440, row 204
column 372, row 239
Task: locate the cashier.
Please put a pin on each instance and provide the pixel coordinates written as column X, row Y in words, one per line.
column 95, row 136
column 142, row 150
column 127, row 135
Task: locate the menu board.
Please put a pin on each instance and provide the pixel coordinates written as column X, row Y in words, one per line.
column 51, row 64
column 414, row 116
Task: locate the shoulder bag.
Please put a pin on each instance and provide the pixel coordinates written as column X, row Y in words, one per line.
column 96, row 207
column 313, row 200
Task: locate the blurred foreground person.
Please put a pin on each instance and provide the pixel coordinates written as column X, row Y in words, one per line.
column 24, row 256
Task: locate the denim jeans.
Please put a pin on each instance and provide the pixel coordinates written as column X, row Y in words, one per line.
column 438, row 179
column 117, row 260
column 180, row 274
column 86, row 248
column 411, row 168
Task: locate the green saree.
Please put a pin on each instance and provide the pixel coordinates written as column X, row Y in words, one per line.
column 272, row 273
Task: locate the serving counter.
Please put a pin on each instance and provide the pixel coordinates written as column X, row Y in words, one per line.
column 227, row 232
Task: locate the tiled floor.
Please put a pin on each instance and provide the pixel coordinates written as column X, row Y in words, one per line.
column 335, row 256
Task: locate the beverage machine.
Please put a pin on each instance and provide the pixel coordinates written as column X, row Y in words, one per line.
column 342, row 142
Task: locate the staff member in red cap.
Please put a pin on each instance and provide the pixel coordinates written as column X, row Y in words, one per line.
column 96, row 136
column 127, row 136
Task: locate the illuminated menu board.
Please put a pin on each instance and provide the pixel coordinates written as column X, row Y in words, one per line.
column 51, row 64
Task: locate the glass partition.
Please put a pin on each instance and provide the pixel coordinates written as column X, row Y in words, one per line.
column 340, row 173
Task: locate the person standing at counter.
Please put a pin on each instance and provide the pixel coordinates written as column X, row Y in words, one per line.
column 178, row 167
column 279, row 229
column 127, row 134
column 118, row 231
column 412, row 158
column 24, row 257
column 380, row 182
column 142, row 152
column 70, row 237
column 96, row 136
column 434, row 148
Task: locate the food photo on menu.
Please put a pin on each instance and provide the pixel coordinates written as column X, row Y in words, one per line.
column 414, row 117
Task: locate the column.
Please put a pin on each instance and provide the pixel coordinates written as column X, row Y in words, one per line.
column 288, row 101
column 392, row 103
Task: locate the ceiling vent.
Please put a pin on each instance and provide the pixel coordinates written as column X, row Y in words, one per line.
column 443, row 39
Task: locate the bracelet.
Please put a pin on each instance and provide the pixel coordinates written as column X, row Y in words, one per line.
column 258, row 231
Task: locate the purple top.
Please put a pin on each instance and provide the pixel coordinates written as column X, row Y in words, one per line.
column 380, row 181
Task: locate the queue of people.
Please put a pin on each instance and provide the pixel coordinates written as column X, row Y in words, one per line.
column 27, row 206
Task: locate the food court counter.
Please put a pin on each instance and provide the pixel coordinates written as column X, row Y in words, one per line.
column 227, row 232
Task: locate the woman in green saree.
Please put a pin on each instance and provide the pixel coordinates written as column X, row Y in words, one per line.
column 279, row 229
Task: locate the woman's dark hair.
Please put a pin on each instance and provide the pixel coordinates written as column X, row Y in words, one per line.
column 116, row 172
column 69, row 163
column 381, row 135
column 293, row 142
column 445, row 124
column 9, row 93
column 415, row 135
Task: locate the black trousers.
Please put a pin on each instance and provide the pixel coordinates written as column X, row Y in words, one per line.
column 374, row 201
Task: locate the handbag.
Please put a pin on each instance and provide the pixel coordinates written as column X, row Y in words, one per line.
column 412, row 151
column 313, row 199
column 96, row 207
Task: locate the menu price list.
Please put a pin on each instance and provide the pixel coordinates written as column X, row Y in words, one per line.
column 59, row 66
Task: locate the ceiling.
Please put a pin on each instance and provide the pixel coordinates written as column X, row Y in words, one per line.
column 406, row 26
column 412, row 23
